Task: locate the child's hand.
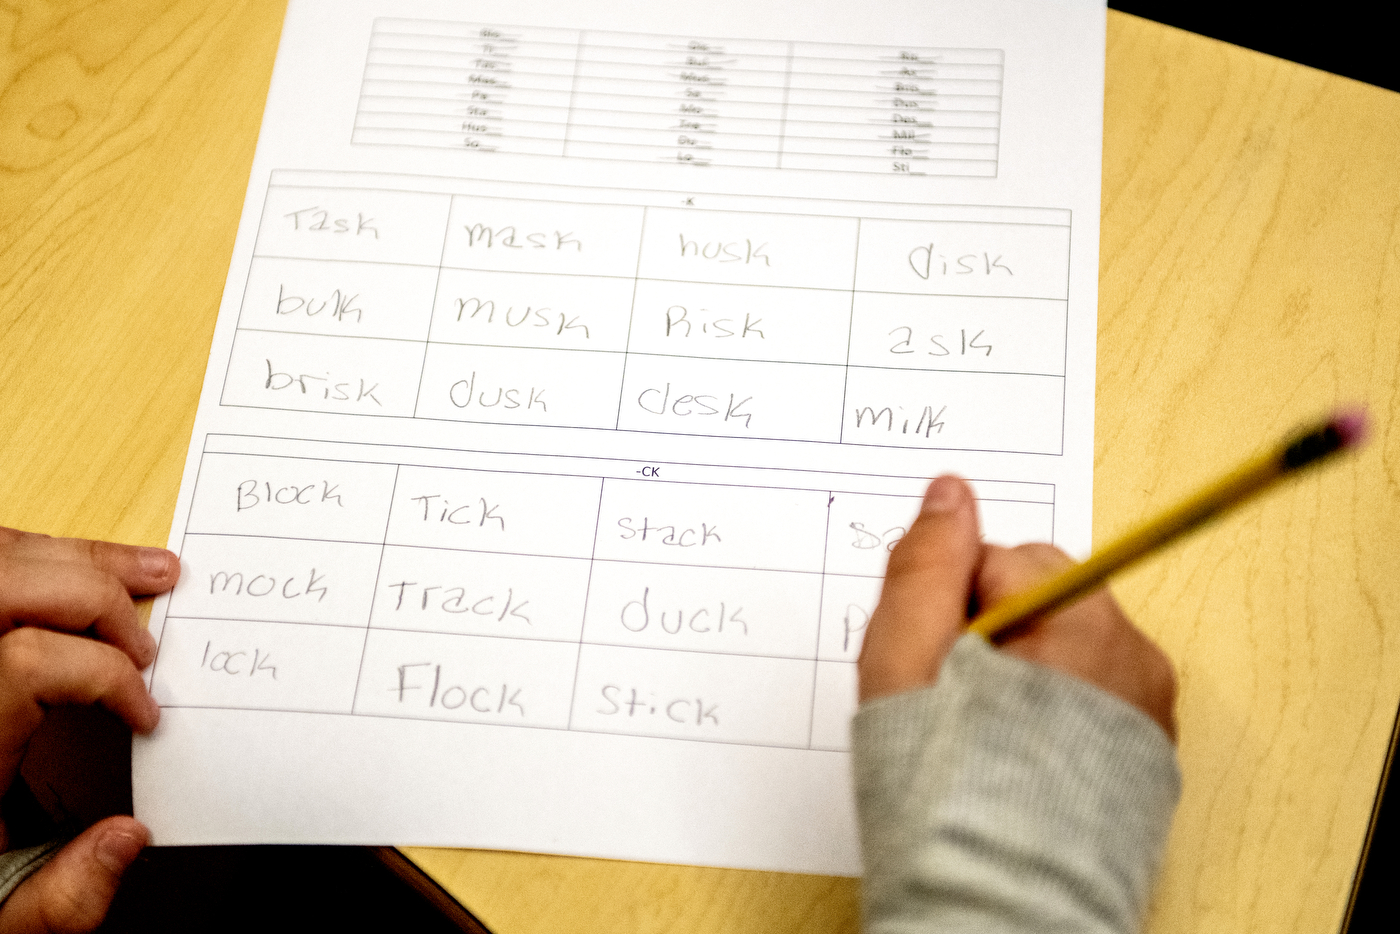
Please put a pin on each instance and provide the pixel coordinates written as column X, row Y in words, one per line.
column 69, row 635
column 941, row 565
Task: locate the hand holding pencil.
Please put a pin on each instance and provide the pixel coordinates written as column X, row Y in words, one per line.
column 941, row 572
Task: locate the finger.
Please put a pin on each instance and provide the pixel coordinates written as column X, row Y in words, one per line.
column 923, row 606
column 40, row 668
column 72, row 596
column 72, row 893
column 140, row 569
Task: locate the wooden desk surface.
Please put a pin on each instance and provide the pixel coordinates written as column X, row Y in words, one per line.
column 1250, row 277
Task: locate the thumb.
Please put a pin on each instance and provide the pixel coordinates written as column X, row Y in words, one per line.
column 923, row 607
column 73, row 891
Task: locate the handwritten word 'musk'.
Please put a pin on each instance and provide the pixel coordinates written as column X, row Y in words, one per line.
column 737, row 251
column 319, row 220
column 253, row 493
column 531, row 316
column 481, row 235
column 927, row 262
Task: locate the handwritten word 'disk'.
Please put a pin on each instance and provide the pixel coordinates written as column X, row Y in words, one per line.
column 927, row 262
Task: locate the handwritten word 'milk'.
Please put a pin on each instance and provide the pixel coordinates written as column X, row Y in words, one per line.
column 927, row 422
column 926, row 263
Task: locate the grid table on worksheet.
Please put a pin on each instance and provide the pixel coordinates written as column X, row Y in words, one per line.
column 686, row 100
column 716, row 611
column 942, row 333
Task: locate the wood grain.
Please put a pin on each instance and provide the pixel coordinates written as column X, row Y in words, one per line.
column 1250, row 278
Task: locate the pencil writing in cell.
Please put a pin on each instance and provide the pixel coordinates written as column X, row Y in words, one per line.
column 246, row 662
column 872, row 538
column 924, row 422
column 670, row 402
column 719, row 619
column 315, row 219
column 931, row 261
column 253, row 492
column 744, row 251
column 681, row 322
column 905, row 340
column 343, row 307
column 424, row 685
column 470, row 393
column 508, row 237
column 418, row 598
column 480, row 513
column 668, row 534
column 487, row 313
column 632, row 704
column 239, row 585
column 325, row 385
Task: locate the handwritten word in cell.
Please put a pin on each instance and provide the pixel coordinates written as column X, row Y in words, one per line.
column 926, row 423
column 485, row 311
column 478, row 513
column 422, row 682
column 463, row 394
column 455, row 600
column 863, row 539
column 234, row 662
column 737, row 251
column 264, row 585
column 254, row 493
column 670, row 534
column 659, row 402
column 325, row 386
column 680, row 324
column 693, row 711
column 340, row 304
column 639, row 615
column 927, row 262
column 853, row 623
column 965, row 344
column 316, row 219
column 509, row 237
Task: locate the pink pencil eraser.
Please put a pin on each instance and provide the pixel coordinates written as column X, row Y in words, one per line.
column 1351, row 426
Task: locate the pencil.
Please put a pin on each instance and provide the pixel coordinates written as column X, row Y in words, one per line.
column 1342, row 431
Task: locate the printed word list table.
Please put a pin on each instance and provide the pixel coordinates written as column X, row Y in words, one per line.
column 600, row 94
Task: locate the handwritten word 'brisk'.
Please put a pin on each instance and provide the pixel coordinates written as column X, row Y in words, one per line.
column 677, row 710
column 456, row 600
column 904, row 343
column 478, row 513
column 659, row 402
column 637, row 616
column 319, row 220
column 341, row 305
column 733, row 252
column 667, row 534
column 509, row 237
column 238, row 661
column 309, row 384
column 253, row 493
column 925, row 424
column 262, row 585
column 678, row 317
column 481, row 698
column 463, row 393
column 927, row 262
column 484, row 310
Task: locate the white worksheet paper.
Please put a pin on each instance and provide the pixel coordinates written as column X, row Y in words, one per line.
column 577, row 369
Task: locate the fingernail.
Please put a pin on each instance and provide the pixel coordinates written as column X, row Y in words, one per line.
column 116, row 849
column 944, row 494
column 155, row 562
column 148, row 646
column 155, row 711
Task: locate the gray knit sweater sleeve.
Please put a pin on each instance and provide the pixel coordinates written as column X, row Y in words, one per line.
column 1009, row 797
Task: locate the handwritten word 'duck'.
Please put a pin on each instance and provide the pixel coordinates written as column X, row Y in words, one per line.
column 927, row 262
